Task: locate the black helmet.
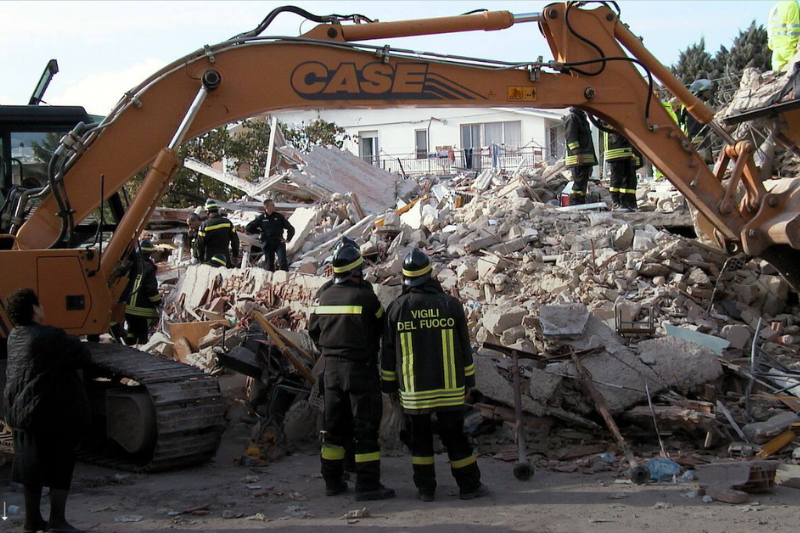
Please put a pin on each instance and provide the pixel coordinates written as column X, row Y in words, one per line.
column 146, row 246
column 346, row 262
column 416, row 268
column 346, row 241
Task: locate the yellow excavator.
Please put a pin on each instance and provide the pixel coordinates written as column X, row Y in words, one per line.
column 171, row 416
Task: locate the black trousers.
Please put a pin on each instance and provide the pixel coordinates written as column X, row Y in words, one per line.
column 580, row 184
column 623, row 180
column 271, row 249
column 463, row 465
column 353, row 409
column 138, row 328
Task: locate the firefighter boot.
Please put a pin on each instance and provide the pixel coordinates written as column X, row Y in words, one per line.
column 629, row 202
column 615, row 201
column 576, row 199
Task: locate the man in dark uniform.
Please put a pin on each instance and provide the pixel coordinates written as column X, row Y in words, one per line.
column 623, row 160
column 427, row 358
column 214, row 236
column 193, row 221
column 346, row 325
column 579, row 155
column 143, row 299
column 270, row 225
column 694, row 129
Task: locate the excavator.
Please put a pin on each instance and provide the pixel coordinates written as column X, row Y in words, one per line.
column 168, row 416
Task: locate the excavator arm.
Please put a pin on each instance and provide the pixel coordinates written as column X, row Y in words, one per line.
column 332, row 67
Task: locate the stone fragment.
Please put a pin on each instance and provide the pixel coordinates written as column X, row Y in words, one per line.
column 563, row 320
column 623, row 237
column 512, row 335
column 737, row 334
column 488, row 265
column 479, row 243
column 498, row 319
column 466, row 273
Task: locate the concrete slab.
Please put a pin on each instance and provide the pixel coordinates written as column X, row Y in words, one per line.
column 563, row 320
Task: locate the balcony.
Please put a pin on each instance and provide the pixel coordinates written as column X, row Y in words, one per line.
column 481, row 159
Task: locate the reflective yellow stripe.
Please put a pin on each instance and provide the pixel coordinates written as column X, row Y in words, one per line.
column 407, row 347
column 332, row 453
column 386, row 375
column 417, row 273
column 416, row 460
column 379, row 313
column 431, row 404
column 461, row 463
column 218, row 226
column 469, row 370
column 579, row 193
column 147, row 312
column 367, row 457
column 628, row 191
column 573, row 145
column 448, row 359
column 348, row 268
column 337, row 310
column 155, row 299
column 457, row 392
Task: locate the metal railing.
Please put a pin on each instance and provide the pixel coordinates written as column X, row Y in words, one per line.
column 462, row 161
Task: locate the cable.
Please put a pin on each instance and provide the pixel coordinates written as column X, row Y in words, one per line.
column 584, row 39
column 320, row 19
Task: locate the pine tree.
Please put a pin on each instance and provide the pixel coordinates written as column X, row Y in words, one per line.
column 749, row 50
column 693, row 63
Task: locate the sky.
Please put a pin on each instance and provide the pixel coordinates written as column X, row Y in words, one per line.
column 106, row 48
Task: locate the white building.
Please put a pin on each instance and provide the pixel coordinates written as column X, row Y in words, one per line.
column 435, row 140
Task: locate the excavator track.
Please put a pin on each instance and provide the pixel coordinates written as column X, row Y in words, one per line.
column 187, row 408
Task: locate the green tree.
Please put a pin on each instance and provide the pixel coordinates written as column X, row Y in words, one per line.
column 693, row 63
column 749, row 50
column 319, row 132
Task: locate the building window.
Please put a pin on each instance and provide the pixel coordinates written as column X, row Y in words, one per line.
column 507, row 134
column 421, row 143
column 368, row 147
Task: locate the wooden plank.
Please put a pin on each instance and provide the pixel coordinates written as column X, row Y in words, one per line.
column 272, row 332
column 194, row 331
column 776, row 444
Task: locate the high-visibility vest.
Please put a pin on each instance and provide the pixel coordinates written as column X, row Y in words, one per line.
column 783, row 29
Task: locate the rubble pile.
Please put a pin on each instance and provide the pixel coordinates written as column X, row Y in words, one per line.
column 664, row 324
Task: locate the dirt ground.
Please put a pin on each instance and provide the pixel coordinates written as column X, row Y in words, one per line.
column 289, row 494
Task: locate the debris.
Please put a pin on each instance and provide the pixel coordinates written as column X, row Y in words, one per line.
column 660, row 468
column 356, row 513
column 129, row 518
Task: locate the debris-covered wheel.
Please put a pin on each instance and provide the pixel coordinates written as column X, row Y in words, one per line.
column 638, row 475
column 523, row 471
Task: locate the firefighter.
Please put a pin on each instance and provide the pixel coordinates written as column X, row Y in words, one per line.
column 143, row 299
column 271, row 225
column 579, row 154
column 783, row 33
column 194, row 222
column 346, row 326
column 214, row 236
column 691, row 127
column 426, row 366
column 622, row 163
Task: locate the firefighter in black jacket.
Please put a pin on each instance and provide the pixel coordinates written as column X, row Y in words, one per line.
column 691, row 127
column 579, row 154
column 143, row 299
column 215, row 233
column 270, row 224
column 623, row 160
column 346, row 325
column 427, row 358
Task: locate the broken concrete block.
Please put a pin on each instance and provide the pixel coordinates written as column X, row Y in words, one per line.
column 715, row 344
column 654, row 270
column 499, row 319
column 623, row 237
column 761, row 432
column 477, row 244
column 530, row 235
column 509, row 247
column 391, row 219
column 413, row 217
column 466, row 273
column 563, row 320
column 512, row 335
column 304, row 220
column 698, row 277
column 490, row 383
column 643, row 242
column 489, row 265
column 738, row 335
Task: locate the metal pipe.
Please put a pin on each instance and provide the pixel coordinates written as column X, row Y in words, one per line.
column 488, row 20
column 693, row 104
column 177, row 139
column 527, row 17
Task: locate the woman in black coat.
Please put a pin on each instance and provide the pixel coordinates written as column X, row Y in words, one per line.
column 46, row 407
